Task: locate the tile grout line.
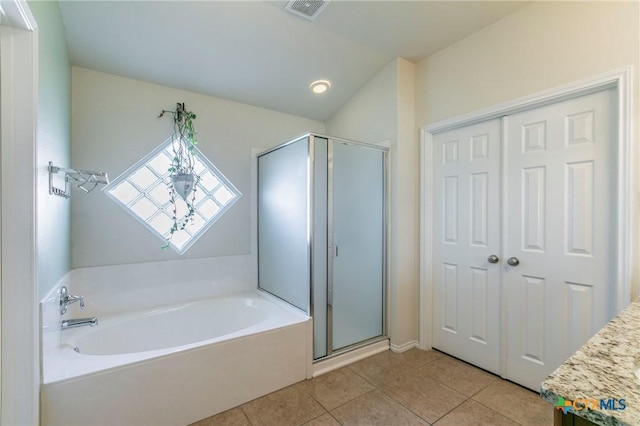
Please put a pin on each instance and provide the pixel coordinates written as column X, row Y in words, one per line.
column 467, row 398
column 417, row 369
column 245, row 415
column 407, row 408
column 351, row 400
column 470, row 398
column 334, row 418
column 379, row 388
column 448, row 412
column 495, row 411
column 326, row 411
column 413, row 369
column 362, row 377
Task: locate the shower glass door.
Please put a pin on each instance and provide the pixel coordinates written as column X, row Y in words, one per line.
column 356, row 237
column 321, row 236
column 283, row 223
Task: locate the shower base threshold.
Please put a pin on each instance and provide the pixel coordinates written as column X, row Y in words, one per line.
column 339, row 360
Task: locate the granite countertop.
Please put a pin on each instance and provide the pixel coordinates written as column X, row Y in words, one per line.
column 603, row 368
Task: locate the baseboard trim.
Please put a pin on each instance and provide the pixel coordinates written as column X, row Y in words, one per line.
column 405, row 346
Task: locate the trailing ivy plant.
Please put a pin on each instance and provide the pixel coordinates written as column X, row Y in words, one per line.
column 181, row 167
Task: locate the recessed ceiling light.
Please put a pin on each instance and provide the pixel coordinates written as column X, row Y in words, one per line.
column 319, row 86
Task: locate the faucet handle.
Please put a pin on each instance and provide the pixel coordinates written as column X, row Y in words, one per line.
column 63, row 297
column 66, row 299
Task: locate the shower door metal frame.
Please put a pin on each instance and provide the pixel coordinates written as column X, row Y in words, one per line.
column 311, row 190
column 331, row 248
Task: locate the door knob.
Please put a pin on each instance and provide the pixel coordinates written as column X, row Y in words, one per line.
column 513, row 261
column 493, row 259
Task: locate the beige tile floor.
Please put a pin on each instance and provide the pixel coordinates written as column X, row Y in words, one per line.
column 413, row 388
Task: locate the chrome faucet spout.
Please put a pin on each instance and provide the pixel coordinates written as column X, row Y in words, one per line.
column 79, row 322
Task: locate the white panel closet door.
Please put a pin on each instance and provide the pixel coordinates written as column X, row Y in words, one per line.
column 559, row 223
column 466, row 308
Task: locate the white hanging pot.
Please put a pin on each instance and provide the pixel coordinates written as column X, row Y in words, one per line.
column 183, row 184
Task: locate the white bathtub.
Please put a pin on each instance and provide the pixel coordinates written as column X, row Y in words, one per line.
column 172, row 365
column 166, row 328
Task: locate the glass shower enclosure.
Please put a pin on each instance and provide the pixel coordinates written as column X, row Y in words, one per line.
column 322, row 210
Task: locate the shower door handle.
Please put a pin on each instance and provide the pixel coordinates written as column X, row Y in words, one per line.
column 333, row 252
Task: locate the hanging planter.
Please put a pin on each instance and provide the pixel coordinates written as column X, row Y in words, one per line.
column 183, row 184
column 183, row 179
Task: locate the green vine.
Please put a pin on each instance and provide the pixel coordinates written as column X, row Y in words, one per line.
column 183, row 162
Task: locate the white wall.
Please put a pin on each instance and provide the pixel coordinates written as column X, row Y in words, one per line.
column 383, row 110
column 371, row 115
column 115, row 123
column 542, row 46
column 53, row 235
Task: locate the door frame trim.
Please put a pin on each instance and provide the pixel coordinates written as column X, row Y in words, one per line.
column 20, row 369
column 621, row 80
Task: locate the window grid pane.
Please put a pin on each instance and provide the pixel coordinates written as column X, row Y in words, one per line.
column 142, row 191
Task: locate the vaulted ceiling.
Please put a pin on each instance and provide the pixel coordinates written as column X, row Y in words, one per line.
column 257, row 53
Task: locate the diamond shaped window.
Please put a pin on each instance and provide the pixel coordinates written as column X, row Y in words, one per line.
column 143, row 192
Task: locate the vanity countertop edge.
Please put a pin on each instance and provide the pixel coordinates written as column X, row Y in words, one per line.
column 603, row 368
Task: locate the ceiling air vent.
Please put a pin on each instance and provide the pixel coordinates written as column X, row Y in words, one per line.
column 308, row 9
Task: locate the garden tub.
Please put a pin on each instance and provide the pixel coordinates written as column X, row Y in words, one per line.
column 172, row 365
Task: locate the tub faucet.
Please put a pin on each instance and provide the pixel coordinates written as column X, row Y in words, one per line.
column 70, row 323
column 67, row 299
